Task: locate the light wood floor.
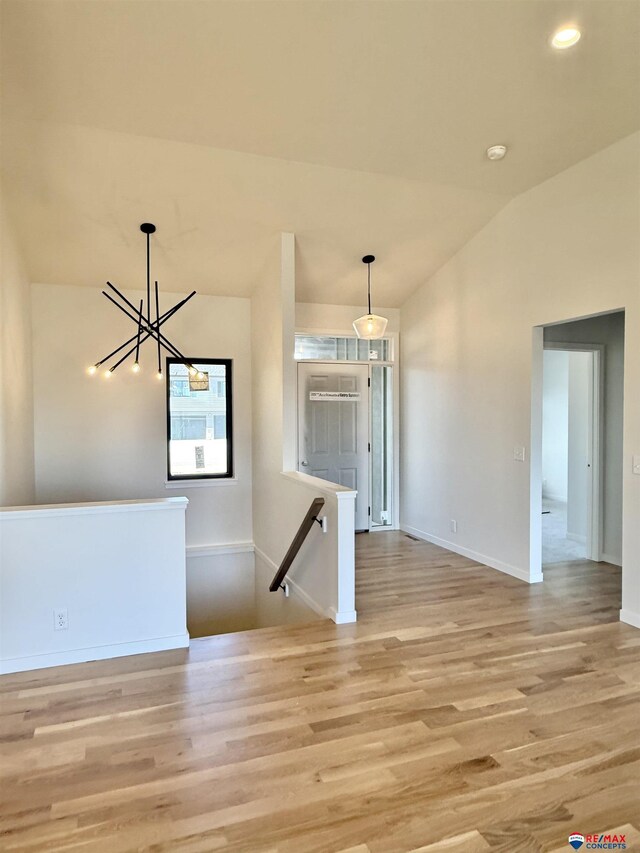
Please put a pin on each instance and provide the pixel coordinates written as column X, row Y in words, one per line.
column 466, row 711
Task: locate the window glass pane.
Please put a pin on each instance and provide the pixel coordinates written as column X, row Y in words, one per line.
column 379, row 350
column 381, row 445
column 199, row 419
column 344, row 348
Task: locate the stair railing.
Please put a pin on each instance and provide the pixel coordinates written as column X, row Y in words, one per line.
column 303, row 531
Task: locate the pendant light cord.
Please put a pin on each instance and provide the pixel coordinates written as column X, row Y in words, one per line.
column 148, row 283
column 369, row 286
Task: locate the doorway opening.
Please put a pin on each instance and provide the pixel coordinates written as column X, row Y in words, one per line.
column 346, row 412
column 576, row 450
column 571, row 458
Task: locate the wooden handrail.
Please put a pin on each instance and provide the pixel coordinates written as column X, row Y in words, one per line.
column 298, row 539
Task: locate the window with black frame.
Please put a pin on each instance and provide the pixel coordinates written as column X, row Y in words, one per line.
column 199, row 419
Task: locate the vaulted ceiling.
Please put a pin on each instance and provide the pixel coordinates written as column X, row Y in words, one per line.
column 360, row 126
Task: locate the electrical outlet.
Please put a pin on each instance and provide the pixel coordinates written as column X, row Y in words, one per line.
column 454, row 525
column 60, row 619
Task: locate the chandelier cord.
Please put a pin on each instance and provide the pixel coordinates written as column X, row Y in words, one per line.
column 148, row 281
column 369, row 285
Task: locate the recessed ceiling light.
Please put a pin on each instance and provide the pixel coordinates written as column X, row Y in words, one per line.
column 565, row 37
column 496, row 152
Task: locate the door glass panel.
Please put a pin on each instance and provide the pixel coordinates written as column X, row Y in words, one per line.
column 381, row 444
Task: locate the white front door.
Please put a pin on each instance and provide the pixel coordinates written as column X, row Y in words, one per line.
column 333, row 428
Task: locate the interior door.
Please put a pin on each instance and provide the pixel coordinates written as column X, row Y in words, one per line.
column 333, row 428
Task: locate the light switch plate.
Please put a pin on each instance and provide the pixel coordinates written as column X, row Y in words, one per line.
column 519, row 454
column 636, row 464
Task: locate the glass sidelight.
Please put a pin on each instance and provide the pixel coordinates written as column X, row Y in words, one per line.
column 381, row 445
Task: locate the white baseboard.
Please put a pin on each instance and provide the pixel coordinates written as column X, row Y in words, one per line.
column 311, row 603
column 220, row 550
column 138, row 647
column 514, row 571
column 630, row 618
column 265, row 559
column 339, row 618
column 343, row 617
column 609, row 558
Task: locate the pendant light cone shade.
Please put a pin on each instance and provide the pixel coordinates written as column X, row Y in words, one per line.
column 370, row 327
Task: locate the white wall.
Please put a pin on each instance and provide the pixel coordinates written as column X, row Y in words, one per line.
column 555, row 425
column 118, row 569
column 16, row 399
column 105, row 439
column 324, row 573
column 220, row 590
column 566, row 249
column 273, row 608
column 607, row 330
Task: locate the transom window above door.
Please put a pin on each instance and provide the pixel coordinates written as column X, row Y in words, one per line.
column 341, row 348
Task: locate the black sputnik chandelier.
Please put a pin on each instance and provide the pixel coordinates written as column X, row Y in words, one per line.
column 146, row 327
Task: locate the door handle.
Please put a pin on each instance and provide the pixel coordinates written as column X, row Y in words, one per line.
column 305, row 463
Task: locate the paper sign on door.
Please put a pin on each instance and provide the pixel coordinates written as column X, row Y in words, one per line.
column 324, row 396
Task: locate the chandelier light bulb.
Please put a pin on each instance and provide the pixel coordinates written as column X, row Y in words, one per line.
column 92, row 369
column 159, row 374
column 136, row 367
column 193, row 371
column 200, row 375
column 108, row 373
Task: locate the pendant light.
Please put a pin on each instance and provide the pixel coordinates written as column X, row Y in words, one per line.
column 371, row 326
column 147, row 326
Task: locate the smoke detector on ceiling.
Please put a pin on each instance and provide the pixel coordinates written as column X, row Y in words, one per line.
column 496, row 152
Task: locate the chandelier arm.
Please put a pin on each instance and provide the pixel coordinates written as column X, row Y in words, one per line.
column 163, row 319
column 151, row 333
column 158, row 326
column 115, row 351
column 126, row 355
column 172, row 349
column 139, row 331
column 369, row 286
column 133, row 307
column 151, row 326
